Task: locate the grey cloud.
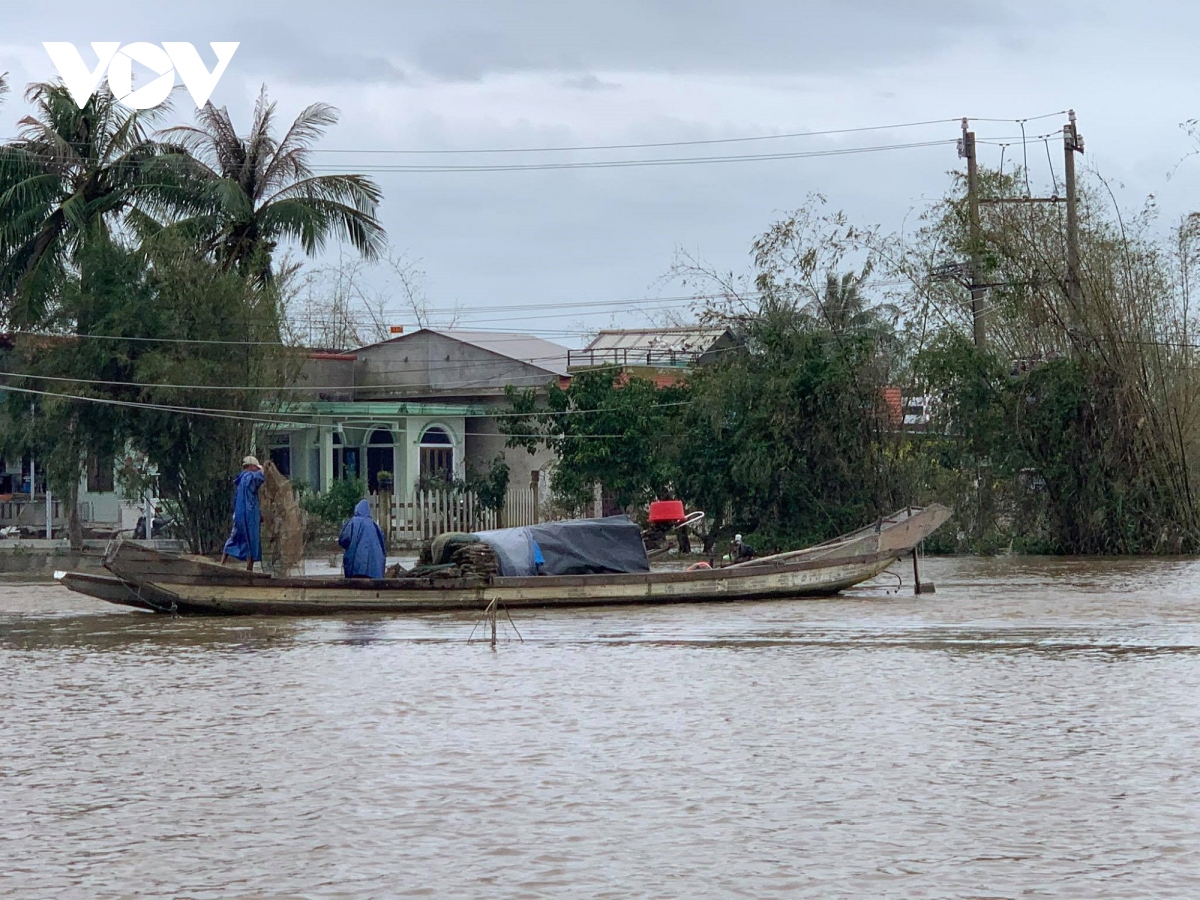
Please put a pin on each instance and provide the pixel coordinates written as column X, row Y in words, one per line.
column 490, row 238
column 381, row 40
column 589, row 82
column 308, row 58
column 471, row 39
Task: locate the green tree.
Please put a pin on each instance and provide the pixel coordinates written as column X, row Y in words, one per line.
column 71, row 177
column 606, row 429
column 243, row 194
column 1080, row 419
column 802, row 432
column 182, row 376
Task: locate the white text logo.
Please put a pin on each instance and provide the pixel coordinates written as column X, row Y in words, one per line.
column 118, row 61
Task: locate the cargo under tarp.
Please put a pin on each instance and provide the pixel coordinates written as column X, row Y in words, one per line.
column 574, row 547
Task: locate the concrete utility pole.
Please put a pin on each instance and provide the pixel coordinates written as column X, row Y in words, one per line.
column 978, row 313
column 1072, row 144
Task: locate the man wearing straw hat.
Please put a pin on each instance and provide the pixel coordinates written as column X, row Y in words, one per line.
column 244, row 542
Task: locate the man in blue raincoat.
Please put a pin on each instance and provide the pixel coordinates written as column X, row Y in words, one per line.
column 244, row 542
column 365, row 552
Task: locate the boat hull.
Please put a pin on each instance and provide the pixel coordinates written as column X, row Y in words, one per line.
column 113, row 590
column 194, row 585
column 310, row 596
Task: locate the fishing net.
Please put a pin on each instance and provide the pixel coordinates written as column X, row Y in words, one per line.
column 282, row 524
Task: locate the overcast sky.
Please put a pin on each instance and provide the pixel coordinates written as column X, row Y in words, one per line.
column 553, row 73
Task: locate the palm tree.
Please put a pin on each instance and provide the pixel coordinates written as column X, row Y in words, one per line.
column 843, row 308
column 70, row 177
column 253, row 191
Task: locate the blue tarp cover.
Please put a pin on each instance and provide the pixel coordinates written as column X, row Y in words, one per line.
column 576, row 547
column 514, row 549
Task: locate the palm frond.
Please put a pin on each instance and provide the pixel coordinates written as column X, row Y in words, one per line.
column 314, row 220
column 290, row 160
column 356, row 190
column 250, row 191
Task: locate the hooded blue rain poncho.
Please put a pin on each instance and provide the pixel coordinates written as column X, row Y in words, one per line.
column 244, row 542
column 363, row 542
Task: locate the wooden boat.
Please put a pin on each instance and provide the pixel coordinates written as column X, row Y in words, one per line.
column 184, row 584
column 113, row 590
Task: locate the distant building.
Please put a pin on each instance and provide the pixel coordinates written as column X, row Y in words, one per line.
column 893, row 403
column 23, row 476
column 421, row 406
column 661, row 355
column 424, row 405
column 910, row 412
column 918, row 412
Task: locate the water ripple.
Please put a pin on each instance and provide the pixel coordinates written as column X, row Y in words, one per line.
column 1028, row 731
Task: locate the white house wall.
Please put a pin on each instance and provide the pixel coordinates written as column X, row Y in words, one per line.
column 484, row 445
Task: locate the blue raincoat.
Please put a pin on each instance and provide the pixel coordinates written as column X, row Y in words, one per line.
column 244, row 542
column 362, row 539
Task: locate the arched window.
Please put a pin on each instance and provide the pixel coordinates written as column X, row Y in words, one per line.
column 381, row 457
column 437, row 455
column 345, row 459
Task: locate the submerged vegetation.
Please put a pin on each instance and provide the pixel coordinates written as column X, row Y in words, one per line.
column 1075, row 428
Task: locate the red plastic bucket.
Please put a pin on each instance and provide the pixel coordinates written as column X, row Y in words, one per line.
column 666, row 512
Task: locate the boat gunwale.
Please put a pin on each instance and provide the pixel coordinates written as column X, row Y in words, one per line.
column 205, row 571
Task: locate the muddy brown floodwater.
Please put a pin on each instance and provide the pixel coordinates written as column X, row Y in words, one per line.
column 1030, row 730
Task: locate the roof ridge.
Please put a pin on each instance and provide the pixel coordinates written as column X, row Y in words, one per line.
column 660, row 330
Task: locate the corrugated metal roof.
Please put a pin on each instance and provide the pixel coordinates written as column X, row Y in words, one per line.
column 692, row 339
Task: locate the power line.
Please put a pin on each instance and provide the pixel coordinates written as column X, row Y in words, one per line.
column 358, row 318
column 259, row 417
column 170, row 340
column 636, row 163
column 616, row 305
column 550, row 304
column 690, row 143
column 325, row 388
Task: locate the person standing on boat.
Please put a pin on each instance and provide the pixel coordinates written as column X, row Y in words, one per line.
column 365, row 552
column 244, row 542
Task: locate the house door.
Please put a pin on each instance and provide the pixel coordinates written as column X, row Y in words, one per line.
column 381, row 457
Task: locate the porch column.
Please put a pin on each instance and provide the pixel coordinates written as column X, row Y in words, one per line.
column 401, row 487
column 326, row 458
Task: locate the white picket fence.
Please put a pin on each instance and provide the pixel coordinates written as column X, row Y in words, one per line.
column 422, row 515
column 31, row 513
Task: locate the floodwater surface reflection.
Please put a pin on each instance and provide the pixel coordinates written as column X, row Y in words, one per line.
column 1029, row 730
